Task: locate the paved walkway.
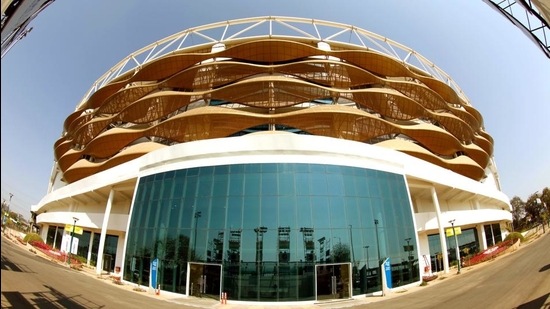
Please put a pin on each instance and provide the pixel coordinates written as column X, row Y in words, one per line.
column 211, row 303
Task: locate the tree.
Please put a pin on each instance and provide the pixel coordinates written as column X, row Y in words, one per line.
column 518, row 213
column 341, row 253
column 536, row 207
column 543, row 201
column 545, row 198
column 534, row 211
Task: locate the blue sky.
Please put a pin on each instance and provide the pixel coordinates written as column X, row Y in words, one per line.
column 44, row 76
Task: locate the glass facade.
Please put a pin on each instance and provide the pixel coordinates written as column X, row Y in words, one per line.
column 493, row 235
column 468, row 243
column 271, row 232
column 109, row 251
column 55, row 235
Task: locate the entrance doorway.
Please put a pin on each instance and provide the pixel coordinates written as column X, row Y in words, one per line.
column 204, row 280
column 333, row 281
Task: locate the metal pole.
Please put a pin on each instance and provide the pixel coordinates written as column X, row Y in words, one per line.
column 367, row 247
column 9, row 215
column 408, row 240
column 9, row 204
column 378, row 249
column 71, row 245
column 377, row 240
column 456, row 244
column 197, row 216
column 351, row 240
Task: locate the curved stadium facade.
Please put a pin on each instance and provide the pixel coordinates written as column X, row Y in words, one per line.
column 274, row 159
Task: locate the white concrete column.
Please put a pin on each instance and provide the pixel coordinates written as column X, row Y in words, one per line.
column 119, row 251
column 482, row 239
column 98, row 267
column 44, row 232
column 89, row 256
column 442, row 237
column 476, row 203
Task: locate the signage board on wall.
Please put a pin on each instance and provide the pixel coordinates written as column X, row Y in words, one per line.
column 154, row 272
column 449, row 231
column 77, row 229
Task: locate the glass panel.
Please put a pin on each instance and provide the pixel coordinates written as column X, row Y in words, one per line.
column 286, row 184
column 217, row 216
column 335, row 185
column 252, row 210
column 205, row 280
column 311, row 213
column 337, row 212
column 269, row 185
column 269, row 212
column 320, row 212
column 287, row 211
column 252, row 185
column 302, row 184
column 234, row 212
column 318, row 185
column 220, row 186
column 468, row 243
column 236, row 184
column 333, row 281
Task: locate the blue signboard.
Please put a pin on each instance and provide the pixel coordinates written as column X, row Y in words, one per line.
column 154, row 267
column 387, row 270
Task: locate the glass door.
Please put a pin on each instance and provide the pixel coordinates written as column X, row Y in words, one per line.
column 204, row 280
column 333, row 281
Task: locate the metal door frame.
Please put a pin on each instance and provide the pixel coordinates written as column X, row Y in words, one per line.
column 350, row 280
column 188, row 285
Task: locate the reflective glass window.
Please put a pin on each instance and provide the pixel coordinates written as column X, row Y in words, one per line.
column 271, row 225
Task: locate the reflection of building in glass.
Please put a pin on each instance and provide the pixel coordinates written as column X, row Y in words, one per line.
column 323, row 253
column 267, row 163
column 309, row 244
column 234, row 252
column 216, row 253
column 260, row 247
column 284, row 244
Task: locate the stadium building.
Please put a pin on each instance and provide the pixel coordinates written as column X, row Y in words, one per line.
column 274, row 159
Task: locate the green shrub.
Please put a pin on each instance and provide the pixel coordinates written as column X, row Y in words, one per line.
column 515, row 236
column 80, row 259
column 32, row 237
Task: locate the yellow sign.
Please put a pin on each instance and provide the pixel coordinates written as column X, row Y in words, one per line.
column 77, row 230
column 449, row 232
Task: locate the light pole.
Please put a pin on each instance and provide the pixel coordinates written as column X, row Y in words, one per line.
column 351, row 241
column 367, row 273
column 260, row 231
column 452, row 222
column 9, row 215
column 9, row 204
column 197, row 216
column 367, row 247
column 377, row 240
column 409, row 250
column 72, row 236
column 378, row 249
